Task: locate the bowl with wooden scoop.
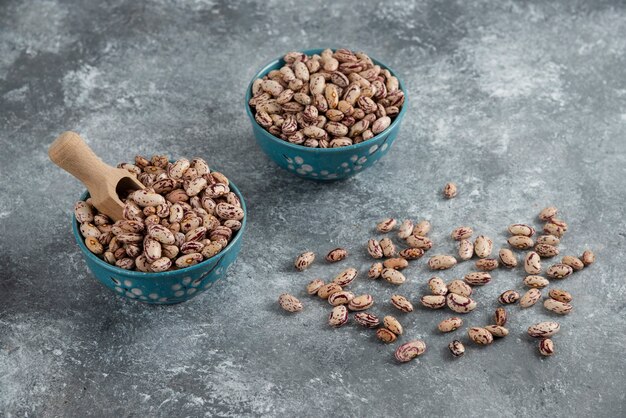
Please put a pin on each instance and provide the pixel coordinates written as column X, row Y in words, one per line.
column 153, row 261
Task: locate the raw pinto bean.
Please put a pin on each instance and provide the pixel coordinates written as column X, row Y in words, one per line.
column 337, row 254
column 450, row 324
column 558, row 307
column 374, row 249
column 313, row 286
column 480, row 336
column 509, row 296
column 437, row 286
column 397, row 263
column 388, row 247
column 487, row 264
column 466, row 249
column 304, row 260
column 461, row 233
column 401, row 303
column 457, row 349
column 529, row 298
column 544, row 329
column 289, row 303
column 416, row 241
column 460, row 304
column 410, row 350
column 483, row 246
column 460, row 288
column 366, row 320
column 386, row 225
column 433, row 301
column 441, row 262
column 507, row 258
column 411, row 253
column 500, row 316
column 521, row 229
column 375, row 270
column 393, row 276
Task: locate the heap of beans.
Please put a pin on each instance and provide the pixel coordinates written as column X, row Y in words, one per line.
column 333, row 99
column 457, row 295
column 186, row 214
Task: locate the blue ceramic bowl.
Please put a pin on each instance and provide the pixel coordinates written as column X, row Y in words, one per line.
column 324, row 163
column 170, row 286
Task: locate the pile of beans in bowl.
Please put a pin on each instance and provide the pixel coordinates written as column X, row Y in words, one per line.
column 334, row 99
column 186, row 214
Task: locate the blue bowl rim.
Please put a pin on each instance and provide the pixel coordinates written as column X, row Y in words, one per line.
column 165, row 274
column 265, row 69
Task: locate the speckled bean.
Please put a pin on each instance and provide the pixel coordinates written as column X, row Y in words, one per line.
column 507, row 258
column 361, row 303
column 386, row 225
column 313, row 286
column 393, row 276
column 529, row 298
column 418, row 241
column 483, row 246
column 521, row 229
column 441, row 262
column 520, row 242
column 480, row 335
column 385, row 335
column 466, row 249
column 437, row 286
column 532, row 263
column 388, row 247
column 396, row 263
column 405, row 229
column 574, row 262
column 548, row 213
column 508, row 297
column 188, row 260
column 374, row 249
column 366, row 319
column 460, row 304
column 375, row 270
column 456, row 347
column 477, row 278
column 544, row 329
column 500, row 316
column 338, row 316
column 346, row 277
column 558, row 307
column 289, row 303
column 337, row 254
column 460, row 288
column 487, row 264
column 450, row 324
column 401, row 303
column 537, row 282
column 560, row 295
column 410, row 350
column 411, row 253
column 546, row 250
column 559, row 271
column 546, row 347
column 304, row 260
column 461, row 233
column 328, row 289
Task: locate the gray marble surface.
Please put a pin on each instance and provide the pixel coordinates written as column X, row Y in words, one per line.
column 522, row 104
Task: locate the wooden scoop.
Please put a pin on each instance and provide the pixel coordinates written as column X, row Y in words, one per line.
column 105, row 183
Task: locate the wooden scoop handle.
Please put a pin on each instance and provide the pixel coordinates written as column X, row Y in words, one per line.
column 70, row 152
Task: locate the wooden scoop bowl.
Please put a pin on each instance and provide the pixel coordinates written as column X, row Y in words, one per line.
column 105, row 183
